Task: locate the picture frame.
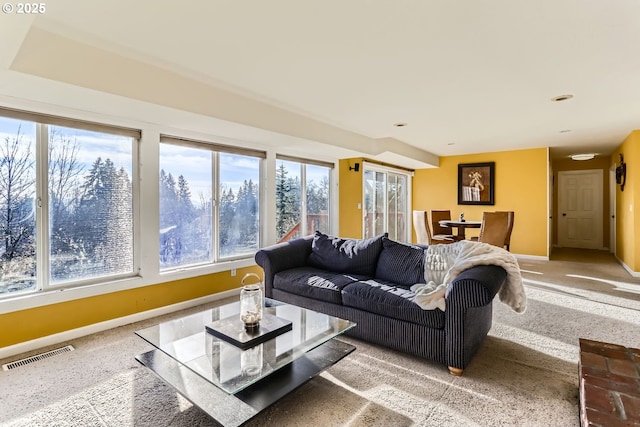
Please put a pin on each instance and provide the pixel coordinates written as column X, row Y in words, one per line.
column 476, row 183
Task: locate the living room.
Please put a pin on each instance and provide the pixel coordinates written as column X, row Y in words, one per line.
column 86, row 64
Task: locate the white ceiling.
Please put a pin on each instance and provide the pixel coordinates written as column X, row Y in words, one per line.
column 467, row 76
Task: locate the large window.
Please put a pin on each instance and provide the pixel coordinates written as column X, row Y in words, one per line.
column 90, row 204
column 66, row 202
column 386, row 202
column 302, row 197
column 209, row 202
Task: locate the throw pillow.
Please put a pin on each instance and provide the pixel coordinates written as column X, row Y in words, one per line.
column 400, row 263
column 345, row 255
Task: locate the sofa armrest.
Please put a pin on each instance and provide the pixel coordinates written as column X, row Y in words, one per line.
column 476, row 286
column 282, row 256
column 469, row 312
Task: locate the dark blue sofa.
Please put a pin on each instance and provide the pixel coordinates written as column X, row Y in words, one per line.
column 368, row 281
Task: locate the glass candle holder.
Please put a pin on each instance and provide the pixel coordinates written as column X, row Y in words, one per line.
column 251, row 361
column 251, row 306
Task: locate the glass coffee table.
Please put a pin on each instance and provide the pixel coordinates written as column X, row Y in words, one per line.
column 233, row 385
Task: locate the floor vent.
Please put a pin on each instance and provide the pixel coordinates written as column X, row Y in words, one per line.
column 36, row 357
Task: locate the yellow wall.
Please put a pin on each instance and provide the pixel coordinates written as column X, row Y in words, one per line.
column 627, row 215
column 521, row 183
column 600, row 162
column 350, row 194
column 29, row 324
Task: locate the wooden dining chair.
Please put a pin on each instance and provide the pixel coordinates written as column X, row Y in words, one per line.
column 510, row 219
column 495, row 228
column 438, row 230
column 423, row 232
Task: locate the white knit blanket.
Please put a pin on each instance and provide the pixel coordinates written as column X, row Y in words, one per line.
column 443, row 263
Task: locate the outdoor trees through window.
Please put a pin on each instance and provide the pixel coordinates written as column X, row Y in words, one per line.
column 89, row 216
column 90, row 204
column 302, row 198
column 193, row 176
column 69, row 191
column 17, row 205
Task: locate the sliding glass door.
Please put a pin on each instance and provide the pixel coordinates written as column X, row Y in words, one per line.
column 386, row 195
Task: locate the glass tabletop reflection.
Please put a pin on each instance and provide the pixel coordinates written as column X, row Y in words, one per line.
column 229, row 367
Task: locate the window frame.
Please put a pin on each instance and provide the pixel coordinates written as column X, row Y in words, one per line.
column 216, row 149
column 304, row 162
column 43, row 123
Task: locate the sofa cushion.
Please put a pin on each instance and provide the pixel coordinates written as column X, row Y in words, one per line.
column 345, row 255
column 388, row 300
column 314, row 283
column 400, row 263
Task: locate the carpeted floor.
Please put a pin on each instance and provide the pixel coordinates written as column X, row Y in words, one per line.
column 525, row 374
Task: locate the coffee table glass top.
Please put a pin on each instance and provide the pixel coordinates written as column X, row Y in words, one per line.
column 227, row 366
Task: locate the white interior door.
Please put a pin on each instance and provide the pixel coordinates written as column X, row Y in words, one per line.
column 580, row 209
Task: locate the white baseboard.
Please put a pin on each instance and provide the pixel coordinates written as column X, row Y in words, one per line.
column 629, row 270
column 37, row 343
column 532, row 257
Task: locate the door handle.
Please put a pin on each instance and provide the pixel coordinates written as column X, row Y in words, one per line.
column 564, row 214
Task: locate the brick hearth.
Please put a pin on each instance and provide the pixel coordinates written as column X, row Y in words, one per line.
column 609, row 385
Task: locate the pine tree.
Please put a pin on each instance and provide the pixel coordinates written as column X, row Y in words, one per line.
column 105, row 218
column 287, row 201
column 227, row 219
column 247, row 205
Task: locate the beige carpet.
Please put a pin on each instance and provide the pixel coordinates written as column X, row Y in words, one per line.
column 524, row 375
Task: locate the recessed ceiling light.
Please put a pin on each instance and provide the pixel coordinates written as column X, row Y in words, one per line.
column 585, row 156
column 451, row 143
column 565, row 131
column 561, row 98
column 399, row 125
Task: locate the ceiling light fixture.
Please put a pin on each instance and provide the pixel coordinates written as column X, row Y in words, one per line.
column 399, row 125
column 585, row 156
column 565, row 131
column 561, row 98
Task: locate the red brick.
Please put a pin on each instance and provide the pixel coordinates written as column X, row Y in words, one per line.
column 615, row 378
column 593, row 361
column 608, row 396
column 631, row 407
column 598, row 398
column 623, row 367
column 614, row 354
column 600, row 419
column 630, row 389
column 598, row 346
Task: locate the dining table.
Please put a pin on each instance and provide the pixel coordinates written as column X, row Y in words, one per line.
column 460, row 226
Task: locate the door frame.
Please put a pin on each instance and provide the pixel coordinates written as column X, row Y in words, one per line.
column 612, row 209
column 374, row 167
